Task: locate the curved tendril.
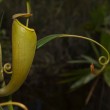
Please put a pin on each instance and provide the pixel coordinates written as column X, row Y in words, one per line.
column 103, row 60
column 7, row 68
column 14, row 103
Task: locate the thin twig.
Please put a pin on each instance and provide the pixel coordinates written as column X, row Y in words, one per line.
column 91, row 91
column 28, row 11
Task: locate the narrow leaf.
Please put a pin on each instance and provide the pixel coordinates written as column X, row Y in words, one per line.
column 1, row 108
column 79, row 72
column 91, row 60
column 68, row 80
column 78, row 61
column 1, row 19
column 95, row 49
column 107, row 76
column 46, row 39
column 105, row 39
column 82, row 82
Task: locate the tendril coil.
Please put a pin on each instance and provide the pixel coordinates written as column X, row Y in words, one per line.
column 103, row 60
column 14, row 103
column 7, row 67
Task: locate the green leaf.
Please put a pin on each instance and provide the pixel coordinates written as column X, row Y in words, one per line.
column 95, row 49
column 107, row 75
column 105, row 40
column 82, row 81
column 1, row 1
column 68, row 80
column 1, row 19
column 78, row 61
column 46, row 39
column 1, row 108
column 79, row 72
column 91, row 60
column 98, row 15
column 74, row 75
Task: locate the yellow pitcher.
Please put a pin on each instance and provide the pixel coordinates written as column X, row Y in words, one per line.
column 24, row 41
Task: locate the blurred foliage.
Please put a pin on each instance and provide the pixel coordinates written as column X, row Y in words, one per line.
column 88, row 18
column 98, row 26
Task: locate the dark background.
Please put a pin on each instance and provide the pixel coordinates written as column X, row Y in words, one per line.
column 41, row 90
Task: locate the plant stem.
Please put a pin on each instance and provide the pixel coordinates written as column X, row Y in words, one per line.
column 1, row 72
column 1, row 108
column 10, row 107
column 28, row 10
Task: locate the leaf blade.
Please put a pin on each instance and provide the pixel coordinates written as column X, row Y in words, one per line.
column 82, row 81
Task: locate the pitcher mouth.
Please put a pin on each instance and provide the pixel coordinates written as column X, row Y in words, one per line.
column 27, row 28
